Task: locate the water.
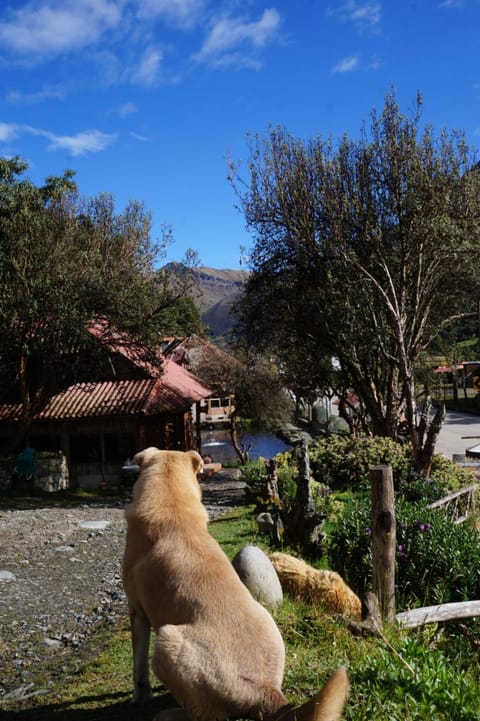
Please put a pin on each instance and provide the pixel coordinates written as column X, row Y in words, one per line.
column 218, row 445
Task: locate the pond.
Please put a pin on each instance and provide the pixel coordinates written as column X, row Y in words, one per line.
column 218, row 445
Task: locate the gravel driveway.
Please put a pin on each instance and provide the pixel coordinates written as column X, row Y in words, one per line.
column 60, row 577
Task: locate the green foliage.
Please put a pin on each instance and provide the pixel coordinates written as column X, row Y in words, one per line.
column 420, row 683
column 437, row 560
column 254, row 474
column 182, row 318
column 448, row 475
column 344, row 462
column 349, row 544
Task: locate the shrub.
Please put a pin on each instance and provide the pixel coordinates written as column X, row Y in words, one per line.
column 448, row 476
column 437, row 561
column 345, row 462
column 254, row 474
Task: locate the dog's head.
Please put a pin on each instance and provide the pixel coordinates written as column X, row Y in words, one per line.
column 168, row 476
column 152, row 455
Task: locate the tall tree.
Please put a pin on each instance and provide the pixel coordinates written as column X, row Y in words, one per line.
column 364, row 251
column 65, row 261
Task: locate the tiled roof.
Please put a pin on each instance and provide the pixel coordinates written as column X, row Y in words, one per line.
column 120, row 342
column 174, row 392
column 86, row 400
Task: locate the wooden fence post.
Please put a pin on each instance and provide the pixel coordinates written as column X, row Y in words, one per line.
column 383, row 540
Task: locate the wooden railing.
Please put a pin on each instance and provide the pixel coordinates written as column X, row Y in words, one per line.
column 459, row 504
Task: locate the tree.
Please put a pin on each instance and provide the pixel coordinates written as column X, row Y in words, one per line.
column 260, row 395
column 365, row 250
column 66, row 261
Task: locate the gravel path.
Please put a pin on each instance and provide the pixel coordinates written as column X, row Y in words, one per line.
column 60, row 577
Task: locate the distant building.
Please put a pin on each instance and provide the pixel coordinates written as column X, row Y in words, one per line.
column 101, row 423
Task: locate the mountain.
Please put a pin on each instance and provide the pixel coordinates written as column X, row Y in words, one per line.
column 217, row 292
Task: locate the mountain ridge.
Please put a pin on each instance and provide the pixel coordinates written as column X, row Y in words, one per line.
column 217, row 290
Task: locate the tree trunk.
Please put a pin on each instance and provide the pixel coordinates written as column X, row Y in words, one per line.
column 241, row 450
column 424, row 448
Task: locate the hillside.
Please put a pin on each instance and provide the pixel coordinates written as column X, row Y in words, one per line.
column 217, row 292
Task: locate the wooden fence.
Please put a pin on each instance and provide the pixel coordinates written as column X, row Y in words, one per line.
column 459, row 504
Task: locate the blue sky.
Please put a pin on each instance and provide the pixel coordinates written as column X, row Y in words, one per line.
column 146, row 99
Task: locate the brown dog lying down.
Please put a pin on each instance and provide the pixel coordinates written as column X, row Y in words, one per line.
column 319, row 586
column 217, row 650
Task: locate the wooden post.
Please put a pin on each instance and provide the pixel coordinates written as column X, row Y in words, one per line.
column 383, row 540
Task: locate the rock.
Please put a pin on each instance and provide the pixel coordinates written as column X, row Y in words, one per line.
column 7, row 576
column 64, row 549
column 258, row 574
column 94, row 525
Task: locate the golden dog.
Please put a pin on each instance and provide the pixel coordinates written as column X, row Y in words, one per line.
column 217, row 650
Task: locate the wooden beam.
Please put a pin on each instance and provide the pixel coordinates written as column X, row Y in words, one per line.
column 437, row 614
column 383, row 539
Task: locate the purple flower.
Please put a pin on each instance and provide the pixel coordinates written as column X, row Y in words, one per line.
column 423, row 526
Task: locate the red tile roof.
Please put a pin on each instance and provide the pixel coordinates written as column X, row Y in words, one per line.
column 174, row 392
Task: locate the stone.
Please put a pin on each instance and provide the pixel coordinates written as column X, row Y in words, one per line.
column 258, row 574
column 94, row 525
column 7, row 576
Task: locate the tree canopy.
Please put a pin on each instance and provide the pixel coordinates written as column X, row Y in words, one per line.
column 67, row 260
column 364, row 250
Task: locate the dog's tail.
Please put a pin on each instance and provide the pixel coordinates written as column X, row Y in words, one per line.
column 324, row 706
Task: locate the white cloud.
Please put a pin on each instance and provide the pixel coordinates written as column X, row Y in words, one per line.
column 183, row 14
column 362, row 14
column 87, row 141
column 49, row 92
column 8, row 131
column 57, row 27
column 140, row 138
column 127, row 109
column 346, row 65
column 147, row 71
column 236, row 40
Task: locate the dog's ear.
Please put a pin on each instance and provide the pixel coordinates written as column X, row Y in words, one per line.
column 144, row 457
column 196, row 460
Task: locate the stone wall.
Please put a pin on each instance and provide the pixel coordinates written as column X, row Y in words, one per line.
column 51, row 472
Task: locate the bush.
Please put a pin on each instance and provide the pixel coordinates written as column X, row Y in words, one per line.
column 349, row 548
column 437, row 561
column 345, row 462
column 448, row 476
column 254, row 474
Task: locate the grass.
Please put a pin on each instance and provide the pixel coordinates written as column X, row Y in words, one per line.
column 400, row 677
